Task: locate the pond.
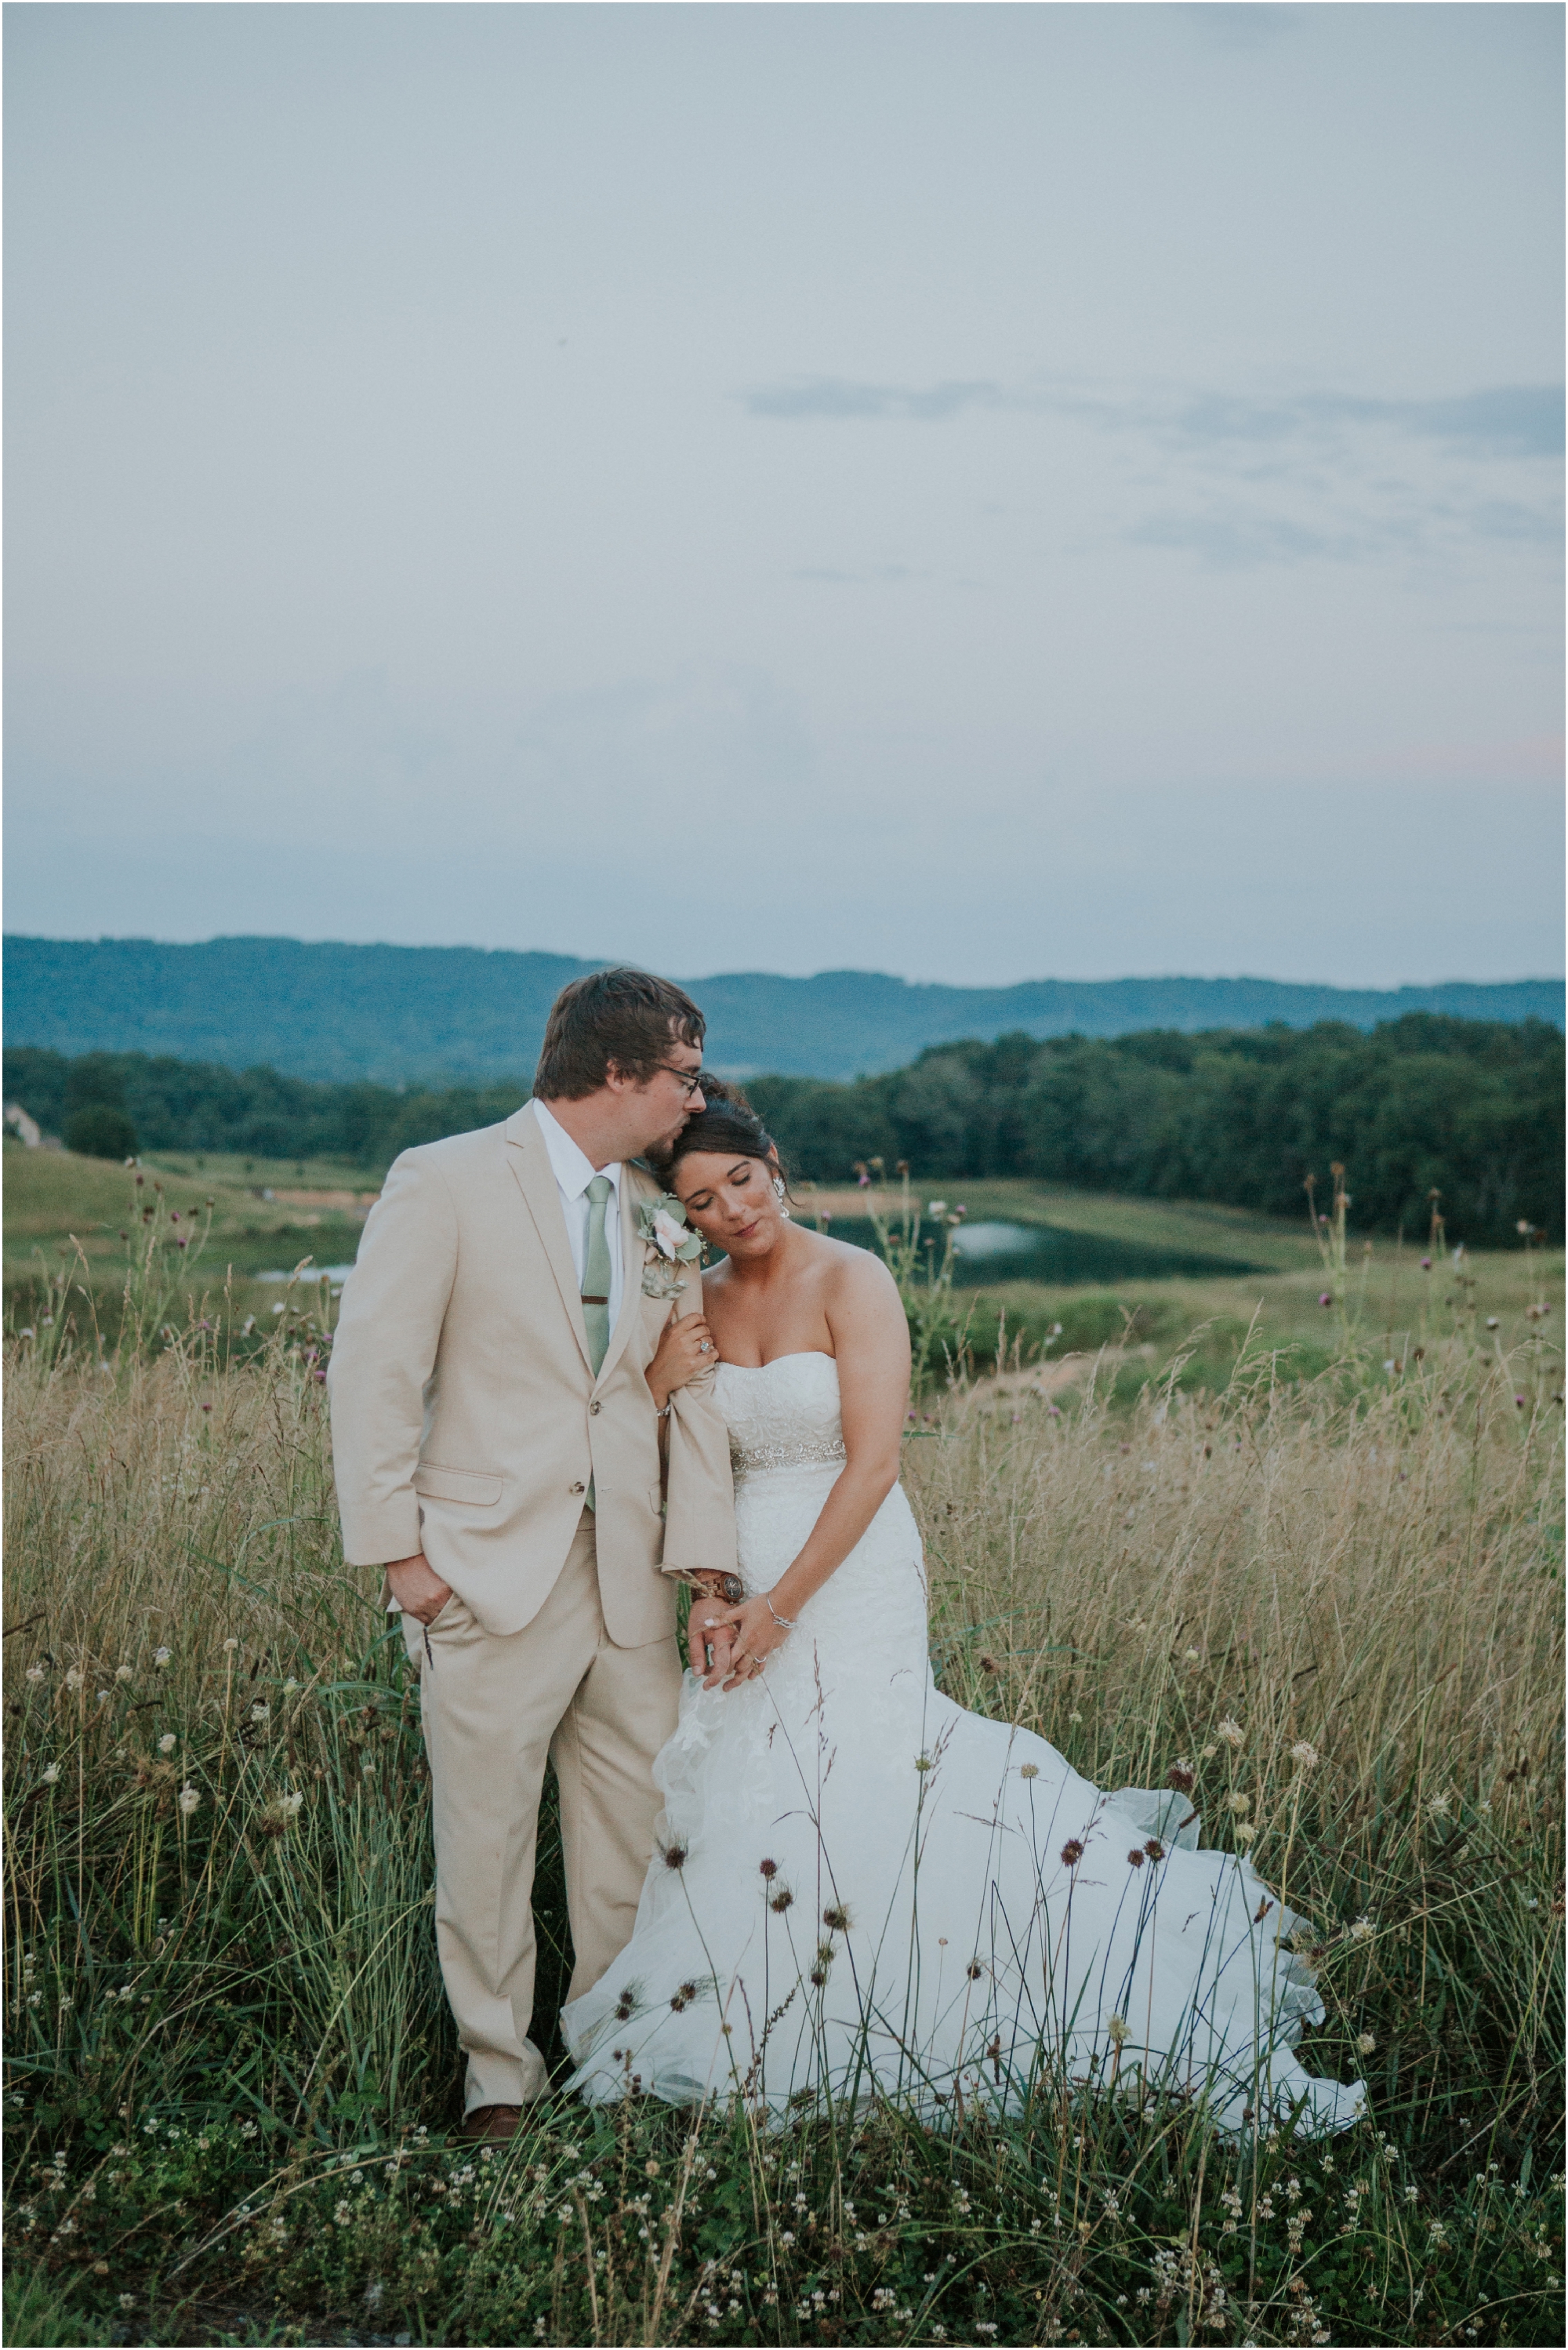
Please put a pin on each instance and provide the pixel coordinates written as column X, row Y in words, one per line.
column 984, row 1252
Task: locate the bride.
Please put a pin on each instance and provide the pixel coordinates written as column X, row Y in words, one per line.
column 858, row 1886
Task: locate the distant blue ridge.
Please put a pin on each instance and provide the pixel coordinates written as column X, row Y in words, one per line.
column 398, row 1015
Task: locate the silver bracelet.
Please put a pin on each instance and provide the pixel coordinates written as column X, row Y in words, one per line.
column 785, row 1622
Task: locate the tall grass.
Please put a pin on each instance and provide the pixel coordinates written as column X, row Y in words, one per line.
column 233, row 2083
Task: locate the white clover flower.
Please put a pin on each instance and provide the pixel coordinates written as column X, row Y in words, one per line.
column 168, row 1742
column 51, row 1773
column 1305, row 1755
column 123, row 1673
column 161, row 1655
column 1244, row 1830
column 1363, row 1930
column 189, row 1799
column 34, row 1672
column 1231, row 1732
column 1364, row 2044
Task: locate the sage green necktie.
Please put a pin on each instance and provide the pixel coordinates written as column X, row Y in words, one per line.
column 597, row 1272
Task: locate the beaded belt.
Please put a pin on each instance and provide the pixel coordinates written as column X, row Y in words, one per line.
column 746, row 1460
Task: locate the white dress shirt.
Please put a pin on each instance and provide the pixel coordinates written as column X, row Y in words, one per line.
column 573, row 1174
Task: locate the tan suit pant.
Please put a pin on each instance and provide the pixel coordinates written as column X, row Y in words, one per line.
column 495, row 1707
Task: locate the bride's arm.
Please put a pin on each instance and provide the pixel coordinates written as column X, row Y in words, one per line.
column 871, row 1342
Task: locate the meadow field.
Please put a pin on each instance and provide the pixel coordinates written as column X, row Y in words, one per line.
column 1240, row 1524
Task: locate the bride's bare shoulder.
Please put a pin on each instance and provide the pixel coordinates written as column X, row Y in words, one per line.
column 853, row 1275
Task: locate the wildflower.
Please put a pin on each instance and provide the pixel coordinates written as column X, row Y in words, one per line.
column 229, row 1646
column 51, row 1773
column 781, row 1900
column 34, row 1672
column 922, row 1763
column 1364, row 2043
column 674, row 1855
column 123, row 1672
column 1181, row 1778
column 74, row 1676
column 161, row 1656
column 1491, row 1321
column 1154, row 1848
column 768, row 1867
column 1324, row 1299
column 168, row 1742
column 1305, row 1755
column 1072, row 1852
column 1231, row 1732
column 1425, row 1264
column 835, row 1917
column 1032, row 1770
column 1363, row 1930
column 974, row 1971
column 1118, row 2032
column 1135, row 1858
column 261, row 1711
column 1244, row 1830
column 1209, row 1752
column 189, row 1799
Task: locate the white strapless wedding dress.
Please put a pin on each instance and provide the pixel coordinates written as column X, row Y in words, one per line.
column 859, row 1886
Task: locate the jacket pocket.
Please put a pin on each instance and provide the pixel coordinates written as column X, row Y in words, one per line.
column 471, row 1485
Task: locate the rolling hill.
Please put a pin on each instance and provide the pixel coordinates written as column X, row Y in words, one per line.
column 403, row 1014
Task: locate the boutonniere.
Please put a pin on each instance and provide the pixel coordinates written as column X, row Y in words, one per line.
column 662, row 1229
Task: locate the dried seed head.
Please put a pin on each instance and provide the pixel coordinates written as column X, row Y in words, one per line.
column 674, row 1855
column 1154, row 1848
column 835, row 1917
column 1181, row 1778
column 1118, row 2030
column 781, row 1900
column 1072, row 1852
column 768, row 1867
column 1029, row 1770
column 974, row 1971
column 1135, row 1858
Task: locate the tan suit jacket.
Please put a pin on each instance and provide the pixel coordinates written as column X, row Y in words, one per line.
column 466, row 1420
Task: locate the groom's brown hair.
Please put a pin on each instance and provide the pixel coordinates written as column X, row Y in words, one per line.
column 622, row 1018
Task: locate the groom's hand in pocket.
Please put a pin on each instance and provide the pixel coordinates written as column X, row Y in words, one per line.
column 417, row 1587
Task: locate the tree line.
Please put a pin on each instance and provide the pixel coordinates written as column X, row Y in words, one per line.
column 1472, row 1110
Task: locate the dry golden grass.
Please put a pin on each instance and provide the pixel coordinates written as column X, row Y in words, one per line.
column 1368, row 1570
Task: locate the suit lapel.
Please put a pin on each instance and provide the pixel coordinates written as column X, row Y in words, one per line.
column 530, row 1163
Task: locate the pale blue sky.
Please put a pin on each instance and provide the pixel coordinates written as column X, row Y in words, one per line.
column 976, row 492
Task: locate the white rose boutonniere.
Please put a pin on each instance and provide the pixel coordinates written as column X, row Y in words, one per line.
column 662, row 1229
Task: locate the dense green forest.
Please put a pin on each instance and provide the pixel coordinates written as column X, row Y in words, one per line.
column 1470, row 1108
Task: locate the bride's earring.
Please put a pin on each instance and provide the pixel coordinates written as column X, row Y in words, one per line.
column 779, row 1195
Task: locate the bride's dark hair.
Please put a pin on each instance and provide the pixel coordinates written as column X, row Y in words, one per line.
column 727, row 1124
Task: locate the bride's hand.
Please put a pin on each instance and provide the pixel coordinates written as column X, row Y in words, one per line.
column 744, row 1639
column 685, row 1349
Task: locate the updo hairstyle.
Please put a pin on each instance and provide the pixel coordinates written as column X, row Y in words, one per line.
column 728, row 1125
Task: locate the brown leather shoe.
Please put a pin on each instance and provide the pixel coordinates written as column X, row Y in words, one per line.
column 493, row 2123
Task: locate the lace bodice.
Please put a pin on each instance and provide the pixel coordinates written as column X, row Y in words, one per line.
column 782, row 1414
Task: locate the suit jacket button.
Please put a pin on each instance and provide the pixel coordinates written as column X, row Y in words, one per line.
column 594, row 1407
column 577, row 1488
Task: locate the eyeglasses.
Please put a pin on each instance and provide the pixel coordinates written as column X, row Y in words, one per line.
column 691, row 1080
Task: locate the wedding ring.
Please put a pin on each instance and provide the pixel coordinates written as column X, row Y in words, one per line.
column 704, row 1347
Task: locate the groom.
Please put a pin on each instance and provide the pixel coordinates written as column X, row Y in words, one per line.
column 497, row 1453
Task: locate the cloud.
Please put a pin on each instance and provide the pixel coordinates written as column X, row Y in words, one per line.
column 1501, row 421
column 833, row 396
column 869, row 575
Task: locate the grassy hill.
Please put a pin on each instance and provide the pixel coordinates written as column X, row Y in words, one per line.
column 396, row 1015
